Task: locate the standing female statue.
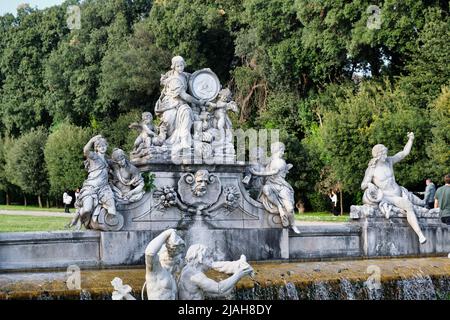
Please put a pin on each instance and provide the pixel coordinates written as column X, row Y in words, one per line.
column 95, row 205
column 277, row 194
column 173, row 107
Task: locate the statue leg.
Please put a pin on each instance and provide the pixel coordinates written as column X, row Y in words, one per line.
column 287, row 210
column 406, row 205
column 88, row 206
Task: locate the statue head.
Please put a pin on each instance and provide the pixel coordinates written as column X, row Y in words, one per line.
column 379, row 152
column 277, row 148
column 199, row 255
column 178, row 64
column 201, row 180
column 100, row 145
column 147, row 117
column 225, row 95
column 118, row 156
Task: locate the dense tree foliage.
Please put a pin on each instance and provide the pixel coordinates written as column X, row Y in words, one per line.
column 334, row 76
column 64, row 157
column 25, row 164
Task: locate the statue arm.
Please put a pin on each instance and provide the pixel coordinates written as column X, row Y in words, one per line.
column 264, row 173
column 89, row 146
column 367, row 178
column 154, row 246
column 148, row 130
column 187, row 97
column 211, row 287
column 406, row 150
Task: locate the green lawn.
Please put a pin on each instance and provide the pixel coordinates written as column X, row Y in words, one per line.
column 321, row 216
column 32, row 208
column 10, row 223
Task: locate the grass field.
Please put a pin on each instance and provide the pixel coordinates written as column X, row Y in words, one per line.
column 16, row 223
column 32, row 208
column 11, row 223
column 321, row 216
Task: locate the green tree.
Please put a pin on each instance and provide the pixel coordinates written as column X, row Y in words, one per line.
column 27, row 40
column 131, row 72
column 64, row 157
column 374, row 114
column 198, row 30
column 438, row 149
column 428, row 67
column 117, row 132
column 25, row 164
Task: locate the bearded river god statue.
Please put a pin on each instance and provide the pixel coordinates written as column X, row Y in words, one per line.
column 383, row 196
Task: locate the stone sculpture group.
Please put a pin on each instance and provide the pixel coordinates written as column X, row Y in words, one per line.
column 194, row 127
column 168, row 277
column 192, row 110
column 109, row 181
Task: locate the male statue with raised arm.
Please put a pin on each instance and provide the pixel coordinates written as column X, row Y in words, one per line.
column 381, row 188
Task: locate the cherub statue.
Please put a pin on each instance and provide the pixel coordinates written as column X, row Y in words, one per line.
column 277, row 195
column 121, row 291
column 224, row 103
column 147, row 136
column 257, row 162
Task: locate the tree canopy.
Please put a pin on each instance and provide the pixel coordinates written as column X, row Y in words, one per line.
column 335, row 77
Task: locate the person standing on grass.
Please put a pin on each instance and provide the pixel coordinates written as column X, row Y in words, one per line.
column 442, row 200
column 334, row 201
column 67, row 200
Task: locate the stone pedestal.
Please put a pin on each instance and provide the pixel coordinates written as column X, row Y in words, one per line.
column 229, row 207
column 393, row 236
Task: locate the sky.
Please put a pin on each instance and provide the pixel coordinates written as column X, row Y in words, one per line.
column 10, row 6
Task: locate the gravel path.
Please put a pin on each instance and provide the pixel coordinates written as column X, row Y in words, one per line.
column 36, row 213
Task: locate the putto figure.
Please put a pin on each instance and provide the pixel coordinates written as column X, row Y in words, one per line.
column 382, row 189
column 147, row 136
column 220, row 108
column 96, row 207
column 277, row 195
column 126, row 180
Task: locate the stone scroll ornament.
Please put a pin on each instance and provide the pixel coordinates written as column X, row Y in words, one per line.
column 384, row 197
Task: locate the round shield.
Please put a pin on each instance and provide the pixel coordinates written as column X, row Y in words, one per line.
column 204, row 84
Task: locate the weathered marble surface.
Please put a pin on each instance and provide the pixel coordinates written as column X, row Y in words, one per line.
column 194, row 125
column 225, row 203
column 382, row 191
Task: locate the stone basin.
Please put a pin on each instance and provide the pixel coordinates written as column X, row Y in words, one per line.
column 411, row 278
